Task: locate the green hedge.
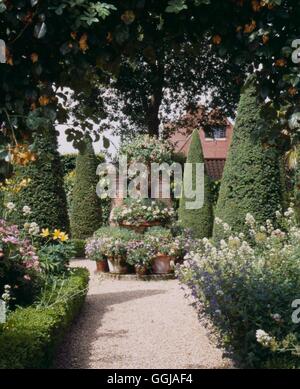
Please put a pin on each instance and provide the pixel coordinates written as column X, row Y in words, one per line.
column 200, row 220
column 45, row 194
column 85, row 215
column 79, row 247
column 30, row 336
column 252, row 181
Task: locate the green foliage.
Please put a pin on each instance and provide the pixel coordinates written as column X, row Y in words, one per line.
column 85, row 207
column 31, row 335
column 69, row 161
column 176, row 6
column 251, row 180
column 215, row 190
column 158, row 232
column 79, row 248
column 18, row 265
column 147, row 149
column 45, row 194
column 49, row 28
column 117, row 233
column 55, row 257
column 140, row 253
column 200, row 221
column 1, row 203
column 69, row 182
column 296, row 188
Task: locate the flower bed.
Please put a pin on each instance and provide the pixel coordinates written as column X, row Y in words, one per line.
column 247, row 286
column 19, row 265
column 30, row 336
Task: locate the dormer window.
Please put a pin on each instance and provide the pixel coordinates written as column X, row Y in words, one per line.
column 216, row 132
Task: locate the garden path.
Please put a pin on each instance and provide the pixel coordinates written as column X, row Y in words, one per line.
column 137, row 324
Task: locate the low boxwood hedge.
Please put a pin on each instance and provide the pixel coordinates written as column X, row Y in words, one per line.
column 30, row 336
column 79, row 248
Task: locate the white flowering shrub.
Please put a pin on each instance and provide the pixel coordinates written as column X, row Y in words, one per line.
column 135, row 212
column 247, row 286
column 147, row 149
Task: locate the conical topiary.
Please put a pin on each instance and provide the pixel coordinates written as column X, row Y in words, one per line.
column 297, row 187
column 45, row 193
column 86, row 207
column 251, row 180
column 200, row 220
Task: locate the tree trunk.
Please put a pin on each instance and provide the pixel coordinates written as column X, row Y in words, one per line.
column 155, row 100
column 153, row 121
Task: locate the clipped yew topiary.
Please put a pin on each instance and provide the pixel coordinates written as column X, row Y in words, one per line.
column 45, row 194
column 297, row 188
column 1, row 203
column 251, row 180
column 86, row 207
column 200, row 221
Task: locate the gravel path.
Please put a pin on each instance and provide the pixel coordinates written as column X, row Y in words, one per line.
column 137, row 324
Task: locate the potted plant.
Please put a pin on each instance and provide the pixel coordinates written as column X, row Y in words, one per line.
column 113, row 247
column 140, row 255
column 94, row 250
column 116, row 251
column 139, row 215
column 166, row 249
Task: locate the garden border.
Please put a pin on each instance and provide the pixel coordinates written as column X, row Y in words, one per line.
column 30, row 337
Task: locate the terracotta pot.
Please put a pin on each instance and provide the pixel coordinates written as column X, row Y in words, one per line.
column 117, row 266
column 102, row 266
column 162, row 264
column 141, row 270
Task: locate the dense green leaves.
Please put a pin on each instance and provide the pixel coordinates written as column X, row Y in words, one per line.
column 45, row 193
column 63, row 43
column 176, row 6
column 86, row 207
column 200, row 221
column 251, row 180
column 30, row 337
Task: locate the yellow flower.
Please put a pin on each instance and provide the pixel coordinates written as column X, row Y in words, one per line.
column 56, row 234
column 63, row 237
column 45, row 232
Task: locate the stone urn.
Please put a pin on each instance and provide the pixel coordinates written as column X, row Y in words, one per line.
column 162, row 264
column 117, row 265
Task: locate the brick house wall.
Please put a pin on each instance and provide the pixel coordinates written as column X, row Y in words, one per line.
column 215, row 150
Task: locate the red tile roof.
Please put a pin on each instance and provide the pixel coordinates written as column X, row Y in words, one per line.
column 214, row 150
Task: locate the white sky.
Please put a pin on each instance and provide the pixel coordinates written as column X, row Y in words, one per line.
column 66, row 147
